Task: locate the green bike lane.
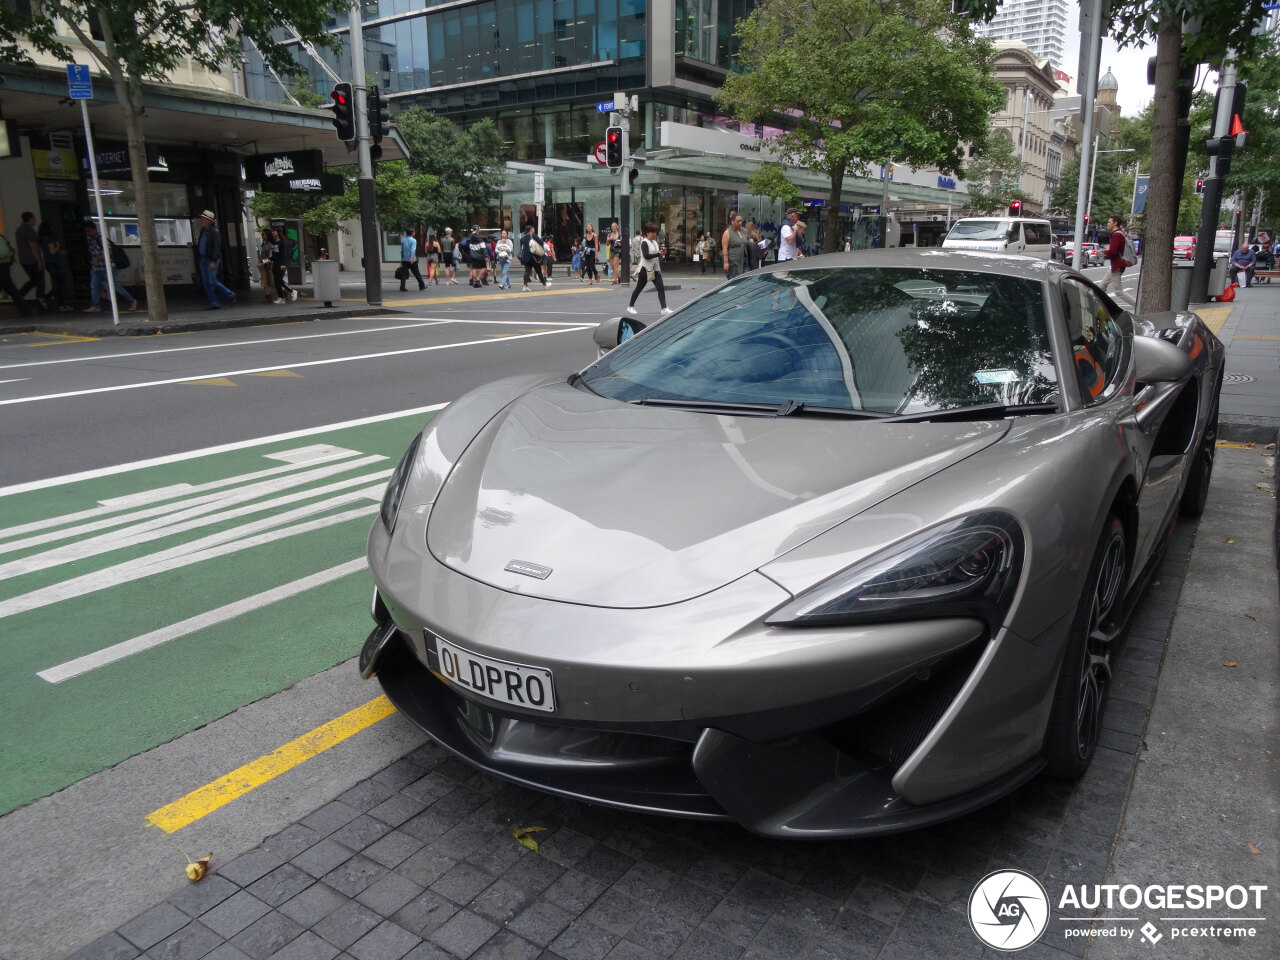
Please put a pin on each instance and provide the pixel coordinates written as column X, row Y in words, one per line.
column 142, row 604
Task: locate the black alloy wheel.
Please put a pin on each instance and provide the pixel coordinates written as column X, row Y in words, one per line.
column 1080, row 698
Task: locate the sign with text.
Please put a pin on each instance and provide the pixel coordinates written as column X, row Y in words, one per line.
column 79, row 82
column 54, row 164
column 323, row 185
column 287, row 165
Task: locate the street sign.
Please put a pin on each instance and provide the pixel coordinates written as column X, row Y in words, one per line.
column 605, row 107
column 601, row 152
column 539, row 187
column 79, row 82
column 867, row 209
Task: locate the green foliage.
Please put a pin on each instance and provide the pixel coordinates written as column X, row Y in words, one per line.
column 400, row 200
column 1112, row 191
column 993, row 175
column 305, row 94
column 466, row 165
column 770, row 180
column 1224, row 25
column 1257, row 167
column 859, row 81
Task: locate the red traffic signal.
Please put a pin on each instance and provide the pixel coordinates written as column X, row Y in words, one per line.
column 344, row 112
column 613, row 148
column 1015, row 208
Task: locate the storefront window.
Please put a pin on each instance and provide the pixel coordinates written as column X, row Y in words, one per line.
column 168, row 202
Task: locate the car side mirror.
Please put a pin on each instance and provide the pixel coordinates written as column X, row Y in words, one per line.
column 613, row 332
column 1157, row 361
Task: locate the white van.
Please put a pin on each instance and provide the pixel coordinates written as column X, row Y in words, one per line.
column 1031, row 238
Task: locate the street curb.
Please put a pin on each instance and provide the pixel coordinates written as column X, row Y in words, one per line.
column 145, row 328
column 1249, row 429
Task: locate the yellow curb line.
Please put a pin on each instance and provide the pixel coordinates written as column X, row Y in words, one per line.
column 1215, row 318
column 202, row 802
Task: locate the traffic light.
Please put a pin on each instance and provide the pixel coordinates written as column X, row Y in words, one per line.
column 1015, row 208
column 1200, row 188
column 1086, row 219
column 344, row 112
column 1221, row 148
column 632, row 176
column 379, row 126
column 1237, row 129
column 613, row 148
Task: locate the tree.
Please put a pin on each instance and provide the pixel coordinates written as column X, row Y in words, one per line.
column 1112, row 191
column 770, row 180
column 1223, row 25
column 1256, row 168
column 994, row 175
column 146, row 40
column 857, row 83
column 466, row 164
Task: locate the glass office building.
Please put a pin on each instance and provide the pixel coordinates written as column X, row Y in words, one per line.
column 539, row 68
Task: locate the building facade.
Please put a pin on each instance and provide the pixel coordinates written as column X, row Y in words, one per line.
column 543, row 70
column 1040, row 24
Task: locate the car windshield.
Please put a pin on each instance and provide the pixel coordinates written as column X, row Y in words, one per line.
column 877, row 339
column 978, row 230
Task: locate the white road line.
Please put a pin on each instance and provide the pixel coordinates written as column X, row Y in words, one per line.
column 278, row 366
column 211, row 451
column 118, row 651
column 15, row 380
column 161, row 494
column 169, row 560
column 185, row 521
column 417, row 324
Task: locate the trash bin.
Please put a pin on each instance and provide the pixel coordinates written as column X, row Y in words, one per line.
column 1180, row 294
column 1218, row 275
column 324, row 273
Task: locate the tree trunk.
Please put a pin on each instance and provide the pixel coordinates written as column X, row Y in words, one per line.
column 1165, row 189
column 831, row 236
column 130, row 97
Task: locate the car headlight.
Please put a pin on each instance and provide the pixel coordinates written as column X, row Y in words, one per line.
column 395, row 486
column 964, row 567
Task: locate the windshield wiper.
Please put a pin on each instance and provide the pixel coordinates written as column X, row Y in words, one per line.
column 980, row 411
column 789, row 409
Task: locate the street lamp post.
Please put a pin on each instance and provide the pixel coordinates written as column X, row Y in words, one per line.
column 1093, row 170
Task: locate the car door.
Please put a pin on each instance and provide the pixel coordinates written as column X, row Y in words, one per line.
column 1101, row 337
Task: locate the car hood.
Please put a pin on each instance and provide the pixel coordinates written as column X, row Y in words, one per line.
column 570, row 496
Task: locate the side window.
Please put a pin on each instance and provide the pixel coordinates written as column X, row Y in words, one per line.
column 1037, row 233
column 1014, row 234
column 1099, row 347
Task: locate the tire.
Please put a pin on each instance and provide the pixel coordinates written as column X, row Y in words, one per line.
column 1196, row 493
column 1081, row 694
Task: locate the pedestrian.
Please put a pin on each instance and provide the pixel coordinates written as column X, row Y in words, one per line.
column 209, row 251
column 756, row 246
column 1115, row 256
column 448, row 256
column 635, row 252
column 99, row 253
column 7, row 257
column 1244, row 259
column 409, row 260
column 433, row 259
column 614, row 244
column 27, row 240
column 575, row 262
column 733, row 246
column 590, row 249
column 532, row 251
column 476, row 254
column 503, row 250
column 55, row 265
column 280, row 260
column 792, row 237
column 549, row 256
column 650, row 268
column 267, row 267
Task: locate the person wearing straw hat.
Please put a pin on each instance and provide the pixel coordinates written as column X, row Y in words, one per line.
column 209, row 252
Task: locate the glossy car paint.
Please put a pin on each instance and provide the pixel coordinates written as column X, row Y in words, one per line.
column 673, row 535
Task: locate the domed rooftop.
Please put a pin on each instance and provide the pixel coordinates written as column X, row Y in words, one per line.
column 1108, row 81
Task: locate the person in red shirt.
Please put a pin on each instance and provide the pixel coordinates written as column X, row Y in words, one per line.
column 1115, row 255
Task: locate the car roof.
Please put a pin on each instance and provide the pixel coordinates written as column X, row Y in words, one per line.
column 930, row 258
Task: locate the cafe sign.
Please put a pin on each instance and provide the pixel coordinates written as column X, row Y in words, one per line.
column 288, row 165
column 55, row 164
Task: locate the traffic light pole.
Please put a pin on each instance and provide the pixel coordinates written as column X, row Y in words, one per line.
column 1088, row 91
column 368, row 206
column 1212, row 199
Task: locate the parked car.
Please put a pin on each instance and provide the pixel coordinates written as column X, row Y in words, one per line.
column 1184, row 248
column 1096, row 255
column 843, row 546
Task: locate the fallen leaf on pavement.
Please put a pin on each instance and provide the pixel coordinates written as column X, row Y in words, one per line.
column 1229, row 663
column 522, row 835
column 1253, row 849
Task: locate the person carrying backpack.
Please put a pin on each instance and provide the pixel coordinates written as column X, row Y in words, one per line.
column 1120, row 254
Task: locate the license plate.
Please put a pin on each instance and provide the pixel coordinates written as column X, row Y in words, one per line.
column 515, row 684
